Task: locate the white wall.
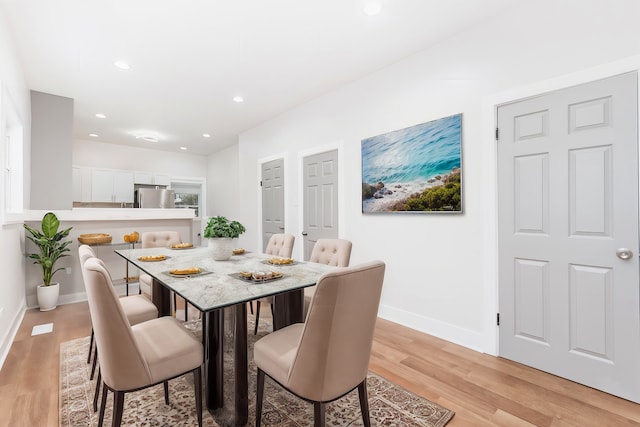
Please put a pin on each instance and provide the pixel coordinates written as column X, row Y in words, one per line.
column 436, row 264
column 113, row 156
column 12, row 261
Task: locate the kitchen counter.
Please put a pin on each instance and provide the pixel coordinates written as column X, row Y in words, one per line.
column 111, row 214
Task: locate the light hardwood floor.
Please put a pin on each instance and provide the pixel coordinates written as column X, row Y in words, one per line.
column 483, row 390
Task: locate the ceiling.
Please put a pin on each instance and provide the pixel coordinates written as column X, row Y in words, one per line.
column 190, row 59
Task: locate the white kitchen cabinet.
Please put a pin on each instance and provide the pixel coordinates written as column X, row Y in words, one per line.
column 81, row 181
column 161, row 179
column 108, row 185
column 150, row 178
column 143, row 177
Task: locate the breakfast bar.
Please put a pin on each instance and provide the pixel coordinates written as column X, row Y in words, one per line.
column 211, row 286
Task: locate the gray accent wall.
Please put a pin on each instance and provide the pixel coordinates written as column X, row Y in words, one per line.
column 51, row 151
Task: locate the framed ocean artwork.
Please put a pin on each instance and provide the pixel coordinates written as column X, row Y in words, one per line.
column 415, row 169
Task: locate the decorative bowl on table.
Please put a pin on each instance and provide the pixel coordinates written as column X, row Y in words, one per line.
column 94, row 238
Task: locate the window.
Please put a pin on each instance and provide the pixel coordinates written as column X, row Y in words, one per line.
column 188, row 195
column 13, row 141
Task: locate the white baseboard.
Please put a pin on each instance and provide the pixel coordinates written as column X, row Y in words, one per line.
column 464, row 337
column 121, row 290
column 5, row 345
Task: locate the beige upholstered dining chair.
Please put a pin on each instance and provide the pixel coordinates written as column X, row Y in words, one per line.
column 136, row 308
column 335, row 252
column 326, row 357
column 155, row 239
column 280, row 245
column 136, row 357
column 158, row 239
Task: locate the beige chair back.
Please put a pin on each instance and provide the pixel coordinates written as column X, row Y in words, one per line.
column 280, row 245
column 160, row 239
column 121, row 362
column 336, row 252
column 335, row 345
column 84, row 253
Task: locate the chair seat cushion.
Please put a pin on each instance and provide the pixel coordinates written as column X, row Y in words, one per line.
column 168, row 348
column 138, row 309
column 274, row 353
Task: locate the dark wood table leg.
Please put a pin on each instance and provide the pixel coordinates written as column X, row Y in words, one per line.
column 288, row 309
column 241, row 366
column 161, row 297
column 213, row 342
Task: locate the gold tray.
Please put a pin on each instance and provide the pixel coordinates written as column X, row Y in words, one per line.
column 95, row 238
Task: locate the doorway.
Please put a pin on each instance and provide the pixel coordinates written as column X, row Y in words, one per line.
column 272, row 182
column 320, row 193
column 568, row 234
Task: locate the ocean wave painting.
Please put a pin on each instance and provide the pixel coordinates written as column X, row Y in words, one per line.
column 415, row 169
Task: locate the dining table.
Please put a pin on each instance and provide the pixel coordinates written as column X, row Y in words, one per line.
column 214, row 286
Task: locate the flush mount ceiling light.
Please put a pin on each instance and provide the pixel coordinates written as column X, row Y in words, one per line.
column 148, row 138
column 206, row 135
column 372, row 7
column 123, row 65
column 238, row 99
column 183, row 148
column 93, row 135
column 101, row 116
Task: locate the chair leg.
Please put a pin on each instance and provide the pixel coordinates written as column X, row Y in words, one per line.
column 95, row 360
column 364, row 402
column 318, row 414
column 259, row 396
column 118, row 408
column 197, row 383
column 97, row 392
column 255, row 330
column 251, row 306
column 90, row 347
column 166, row 392
column 186, row 311
column 103, row 405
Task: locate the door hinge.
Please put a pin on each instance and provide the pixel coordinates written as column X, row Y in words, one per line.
column 497, row 134
column 498, row 319
column 260, row 183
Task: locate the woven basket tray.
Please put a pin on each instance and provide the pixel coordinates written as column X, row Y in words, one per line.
column 95, row 238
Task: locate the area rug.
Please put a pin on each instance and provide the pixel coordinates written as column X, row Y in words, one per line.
column 390, row 405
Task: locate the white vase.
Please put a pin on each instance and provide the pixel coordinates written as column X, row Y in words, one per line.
column 221, row 248
column 48, row 296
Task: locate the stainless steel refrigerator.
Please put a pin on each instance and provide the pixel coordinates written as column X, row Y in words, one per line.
column 154, row 198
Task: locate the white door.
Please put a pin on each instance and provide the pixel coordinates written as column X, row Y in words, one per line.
column 320, row 199
column 568, row 234
column 272, row 199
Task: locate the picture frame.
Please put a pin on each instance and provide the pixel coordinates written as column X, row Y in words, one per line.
column 417, row 169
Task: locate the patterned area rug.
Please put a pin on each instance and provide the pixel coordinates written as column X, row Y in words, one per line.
column 389, row 404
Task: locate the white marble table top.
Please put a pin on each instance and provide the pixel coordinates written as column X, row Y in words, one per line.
column 218, row 288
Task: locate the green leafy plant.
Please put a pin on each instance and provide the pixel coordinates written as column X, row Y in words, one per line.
column 219, row 226
column 50, row 243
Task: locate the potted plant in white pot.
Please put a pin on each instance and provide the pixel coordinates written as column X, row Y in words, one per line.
column 221, row 234
column 52, row 248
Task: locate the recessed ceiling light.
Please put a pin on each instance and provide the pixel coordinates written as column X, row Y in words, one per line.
column 206, row 135
column 94, row 135
column 123, row 65
column 238, row 99
column 372, row 7
column 101, row 116
column 183, row 148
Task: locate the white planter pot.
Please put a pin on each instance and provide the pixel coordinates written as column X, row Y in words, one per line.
column 221, row 248
column 48, row 296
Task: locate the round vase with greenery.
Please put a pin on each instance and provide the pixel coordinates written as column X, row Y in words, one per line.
column 51, row 247
column 222, row 233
